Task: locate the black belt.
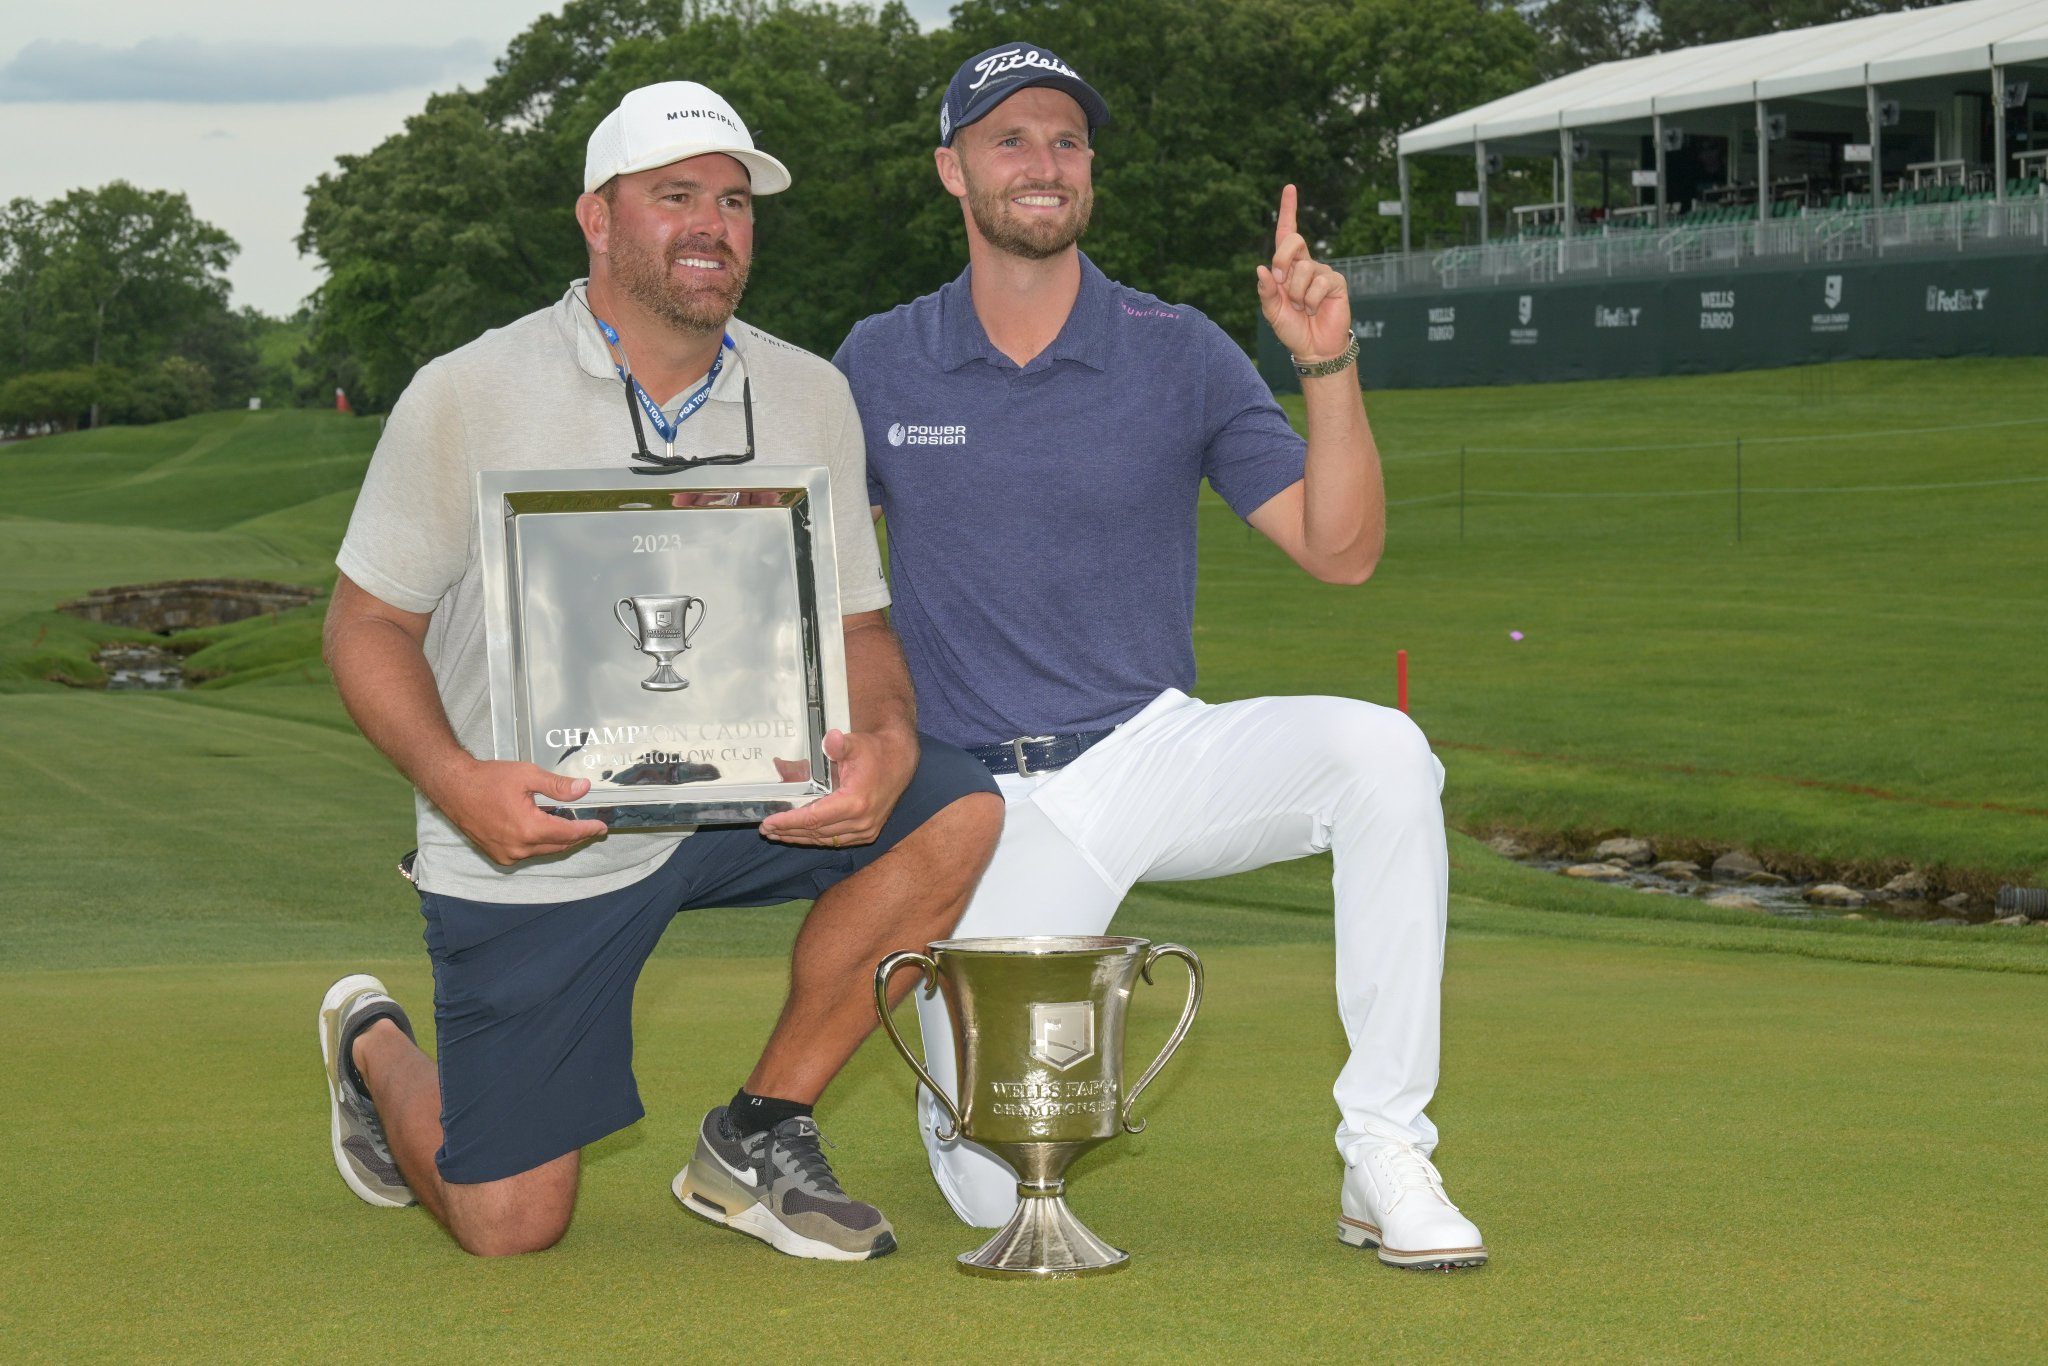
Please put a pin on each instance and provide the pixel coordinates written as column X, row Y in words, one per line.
column 1029, row 754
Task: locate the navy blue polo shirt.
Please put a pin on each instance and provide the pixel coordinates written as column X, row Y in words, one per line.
column 1042, row 517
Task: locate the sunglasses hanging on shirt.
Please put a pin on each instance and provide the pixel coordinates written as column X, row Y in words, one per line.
column 671, row 462
column 638, row 398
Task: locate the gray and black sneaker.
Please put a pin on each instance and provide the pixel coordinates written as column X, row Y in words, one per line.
column 360, row 1152
column 778, row 1187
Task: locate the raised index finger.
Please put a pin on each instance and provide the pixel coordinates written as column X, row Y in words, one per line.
column 1285, row 228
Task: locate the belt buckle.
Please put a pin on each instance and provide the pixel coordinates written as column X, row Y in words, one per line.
column 1017, row 748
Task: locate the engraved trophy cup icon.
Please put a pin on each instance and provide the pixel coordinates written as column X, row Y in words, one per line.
column 660, row 626
column 1038, row 1032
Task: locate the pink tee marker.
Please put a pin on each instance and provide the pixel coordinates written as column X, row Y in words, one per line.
column 1514, row 635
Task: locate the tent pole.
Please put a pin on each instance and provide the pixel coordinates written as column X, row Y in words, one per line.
column 1763, row 164
column 1564, row 176
column 1998, row 132
column 1479, row 158
column 1657, row 140
column 1405, row 239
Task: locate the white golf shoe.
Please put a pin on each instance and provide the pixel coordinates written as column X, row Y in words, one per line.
column 1394, row 1200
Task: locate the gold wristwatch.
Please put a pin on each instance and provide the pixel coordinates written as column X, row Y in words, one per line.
column 1318, row 369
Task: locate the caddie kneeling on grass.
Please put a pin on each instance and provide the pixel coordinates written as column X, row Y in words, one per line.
column 537, row 926
column 1037, row 437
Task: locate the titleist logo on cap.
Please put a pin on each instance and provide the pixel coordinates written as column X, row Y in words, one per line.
column 996, row 63
column 704, row 114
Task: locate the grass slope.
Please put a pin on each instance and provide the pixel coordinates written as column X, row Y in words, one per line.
column 254, row 825
column 1848, row 685
column 1850, row 682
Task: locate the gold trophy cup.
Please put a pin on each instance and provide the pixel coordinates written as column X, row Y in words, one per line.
column 1038, row 1026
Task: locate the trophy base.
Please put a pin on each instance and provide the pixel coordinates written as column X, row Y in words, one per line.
column 665, row 679
column 1043, row 1239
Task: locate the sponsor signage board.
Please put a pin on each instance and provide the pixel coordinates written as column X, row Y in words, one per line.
column 1700, row 322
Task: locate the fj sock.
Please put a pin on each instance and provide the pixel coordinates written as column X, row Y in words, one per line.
column 751, row 1114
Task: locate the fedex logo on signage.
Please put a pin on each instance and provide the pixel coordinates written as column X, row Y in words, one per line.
column 1956, row 300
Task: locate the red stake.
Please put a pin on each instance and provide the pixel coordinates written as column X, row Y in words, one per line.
column 1401, row 679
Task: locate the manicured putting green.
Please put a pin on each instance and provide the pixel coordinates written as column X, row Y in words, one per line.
column 1675, row 1154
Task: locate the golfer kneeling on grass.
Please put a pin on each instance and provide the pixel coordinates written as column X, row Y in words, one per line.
column 537, row 926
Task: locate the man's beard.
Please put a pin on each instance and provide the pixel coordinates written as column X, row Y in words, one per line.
column 647, row 280
column 1032, row 238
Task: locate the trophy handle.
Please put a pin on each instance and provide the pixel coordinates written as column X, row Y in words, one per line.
column 883, row 972
column 1180, row 1030
column 701, row 610
column 619, row 610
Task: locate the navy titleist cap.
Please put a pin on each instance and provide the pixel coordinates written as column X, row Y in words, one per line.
column 985, row 81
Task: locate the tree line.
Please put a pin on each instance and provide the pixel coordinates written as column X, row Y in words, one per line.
column 463, row 221
column 114, row 308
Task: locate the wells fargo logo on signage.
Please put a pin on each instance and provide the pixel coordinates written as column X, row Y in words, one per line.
column 1717, row 310
column 1523, row 334
column 1831, row 299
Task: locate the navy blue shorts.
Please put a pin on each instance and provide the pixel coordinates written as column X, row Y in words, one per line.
column 533, row 1004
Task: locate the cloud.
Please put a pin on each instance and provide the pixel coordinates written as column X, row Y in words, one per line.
column 188, row 71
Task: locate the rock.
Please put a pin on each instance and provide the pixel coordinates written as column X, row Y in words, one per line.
column 1666, row 891
column 2012, row 920
column 1736, row 901
column 1878, row 896
column 1598, row 872
column 1947, row 920
column 1959, row 902
column 1631, row 851
column 1507, row 846
column 1764, row 880
column 1910, row 885
column 187, row 603
column 1853, row 915
column 1834, row 894
column 1678, row 870
column 1735, row 865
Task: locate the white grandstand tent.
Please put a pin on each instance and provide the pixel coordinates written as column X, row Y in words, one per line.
column 1932, row 79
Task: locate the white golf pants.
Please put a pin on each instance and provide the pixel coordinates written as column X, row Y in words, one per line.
column 1185, row 790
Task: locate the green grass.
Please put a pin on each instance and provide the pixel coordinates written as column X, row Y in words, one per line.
column 1850, row 685
column 1675, row 1154
column 1852, row 682
column 1688, row 1132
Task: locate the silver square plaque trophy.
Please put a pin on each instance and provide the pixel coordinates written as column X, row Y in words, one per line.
column 677, row 643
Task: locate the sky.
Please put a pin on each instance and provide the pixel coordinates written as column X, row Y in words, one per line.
column 241, row 105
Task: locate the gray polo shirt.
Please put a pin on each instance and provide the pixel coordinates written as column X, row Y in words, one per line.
column 541, row 393
column 1042, row 518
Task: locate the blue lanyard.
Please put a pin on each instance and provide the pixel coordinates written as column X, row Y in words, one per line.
column 660, row 419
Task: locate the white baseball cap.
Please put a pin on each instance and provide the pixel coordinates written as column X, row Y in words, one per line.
column 674, row 121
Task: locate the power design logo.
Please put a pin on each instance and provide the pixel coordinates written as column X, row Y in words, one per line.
column 927, row 434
